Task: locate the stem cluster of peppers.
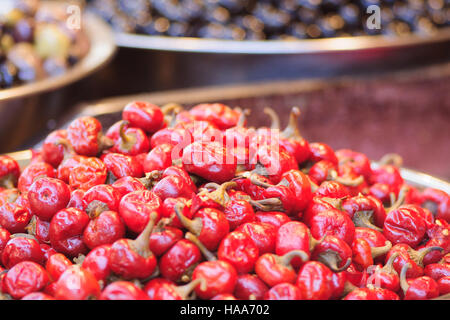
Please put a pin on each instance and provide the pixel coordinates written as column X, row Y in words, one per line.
column 174, row 204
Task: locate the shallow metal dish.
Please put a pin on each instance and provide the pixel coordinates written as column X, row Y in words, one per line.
column 307, row 46
column 21, row 104
column 327, row 117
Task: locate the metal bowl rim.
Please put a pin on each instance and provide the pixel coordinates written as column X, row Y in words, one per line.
column 282, row 47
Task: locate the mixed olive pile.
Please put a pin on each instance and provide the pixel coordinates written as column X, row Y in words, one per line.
column 195, row 204
column 36, row 43
column 272, row 19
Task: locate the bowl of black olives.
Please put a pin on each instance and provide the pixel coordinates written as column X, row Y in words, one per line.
column 44, row 47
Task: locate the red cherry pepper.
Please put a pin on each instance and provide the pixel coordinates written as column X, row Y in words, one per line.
column 24, row 278
column 85, row 136
column 411, row 256
column 159, row 158
column 133, row 258
column 97, row 262
column 250, row 287
column 105, row 228
column 178, row 262
column 101, row 198
column 239, row 250
column 386, row 277
column 444, row 285
column 88, row 173
column 136, row 207
column 333, row 222
column 361, row 294
column 405, row 225
column 67, row 165
column 420, row 288
column 438, row 202
column 332, row 189
column 162, row 289
column 322, row 151
column 144, row 115
column 274, row 218
column 32, row 172
column 66, row 231
column 315, row 281
column 365, row 211
column 127, row 185
column 172, row 187
column 9, row 172
column 130, row 141
column 209, row 160
column 76, row 199
column 356, row 160
column 263, row 235
column 224, row 296
column 164, row 237
column 437, row 270
column 168, row 210
column 14, row 217
column 56, row 265
column 208, row 224
column 220, row 277
column 272, row 162
column 274, row 269
column 389, row 175
column 364, row 254
column 293, row 235
column 38, row 296
column 47, row 196
column 335, row 253
column 283, row 291
column 218, row 114
column 21, row 248
column 56, row 147
column 120, row 165
column 87, row 286
column 122, row 290
column 4, row 238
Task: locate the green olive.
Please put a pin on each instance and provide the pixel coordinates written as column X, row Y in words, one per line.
column 51, row 41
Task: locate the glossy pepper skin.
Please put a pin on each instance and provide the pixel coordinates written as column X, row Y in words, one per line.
column 315, row 281
column 179, row 260
column 433, row 198
column 284, row 291
column 144, row 115
column 405, row 225
column 420, row 288
column 47, row 196
column 210, row 161
column 87, row 288
column 250, row 286
column 220, row 277
column 85, row 134
column 9, row 172
column 66, row 231
column 98, row 262
column 133, row 258
column 24, row 278
column 122, row 290
column 239, row 250
column 21, row 248
column 219, row 114
column 273, row 269
column 136, row 207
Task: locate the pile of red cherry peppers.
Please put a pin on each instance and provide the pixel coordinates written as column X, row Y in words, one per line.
column 171, row 204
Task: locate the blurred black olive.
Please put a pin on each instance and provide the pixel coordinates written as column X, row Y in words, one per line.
column 272, row 19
